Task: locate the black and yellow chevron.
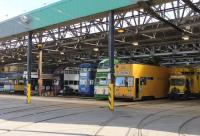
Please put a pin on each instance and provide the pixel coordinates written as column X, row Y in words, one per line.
column 111, row 97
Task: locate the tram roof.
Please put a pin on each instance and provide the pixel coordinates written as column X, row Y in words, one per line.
column 88, row 65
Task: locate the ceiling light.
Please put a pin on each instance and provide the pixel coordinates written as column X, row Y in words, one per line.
column 96, row 49
column 2, row 61
column 135, row 43
column 19, row 59
column 120, row 30
column 186, row 37
column 62, row 53
column 188, row 27
column 75, row 46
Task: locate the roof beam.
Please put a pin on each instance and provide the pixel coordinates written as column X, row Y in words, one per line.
column 191, row 5
column 147, row 7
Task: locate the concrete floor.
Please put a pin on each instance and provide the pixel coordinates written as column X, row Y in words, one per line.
column 73, row 116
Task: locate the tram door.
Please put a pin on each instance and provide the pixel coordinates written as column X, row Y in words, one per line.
column 137, row 83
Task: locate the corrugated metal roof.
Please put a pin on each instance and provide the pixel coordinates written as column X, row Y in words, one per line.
column 59, row 12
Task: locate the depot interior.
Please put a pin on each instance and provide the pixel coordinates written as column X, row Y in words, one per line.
column 161, row 34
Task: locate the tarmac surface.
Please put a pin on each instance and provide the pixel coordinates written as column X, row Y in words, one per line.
column 75, row 116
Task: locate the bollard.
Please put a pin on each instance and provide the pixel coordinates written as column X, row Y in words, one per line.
column 111, row 97
column 28, row 93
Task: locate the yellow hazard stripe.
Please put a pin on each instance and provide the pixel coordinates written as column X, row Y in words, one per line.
column 28, row 93
column 111, row 97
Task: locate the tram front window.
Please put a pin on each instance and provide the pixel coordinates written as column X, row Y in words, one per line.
column 83, row 82
column 177, row 82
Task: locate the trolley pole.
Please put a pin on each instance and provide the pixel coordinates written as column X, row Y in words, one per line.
column 29, row 62
column 111, row 60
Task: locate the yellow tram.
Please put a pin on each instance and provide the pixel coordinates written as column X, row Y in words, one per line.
column 138, row 81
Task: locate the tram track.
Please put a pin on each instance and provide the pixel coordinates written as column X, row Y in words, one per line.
column 48, row 119
column 28, row 108
column 104, row 123
column 11, row 107
column 44, row 111
column 150, row 103
column 139, row 127
column 141, row 123
column 38, row 113
column 185, row 123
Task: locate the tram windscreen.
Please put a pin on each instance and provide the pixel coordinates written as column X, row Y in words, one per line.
column 83, row 82
column 177, row 82
column 101, row 81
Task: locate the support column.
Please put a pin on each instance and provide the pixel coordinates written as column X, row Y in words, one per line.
column 111, row 46
column 111, row 60
column 40, row 80
column 29, row 63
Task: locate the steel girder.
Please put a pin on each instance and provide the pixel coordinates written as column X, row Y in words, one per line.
column 191, row 5
column 76, row 39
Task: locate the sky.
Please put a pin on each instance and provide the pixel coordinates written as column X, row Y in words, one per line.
column 12, row 8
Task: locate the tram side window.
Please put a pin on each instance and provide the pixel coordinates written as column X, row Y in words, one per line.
column 120, row 81
column 74, row 72
column 91, row 82
column 75, row 82
column 124, row 81
column 71, row 72
column 71, row 82
column 103, row 81
column 66, row 83
column 97, row 80
column 149, row 78
column 143, row 81
column 130, row 81
column 21, row 83
column 66, row 71
column 104, row 65
column 84, row 69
